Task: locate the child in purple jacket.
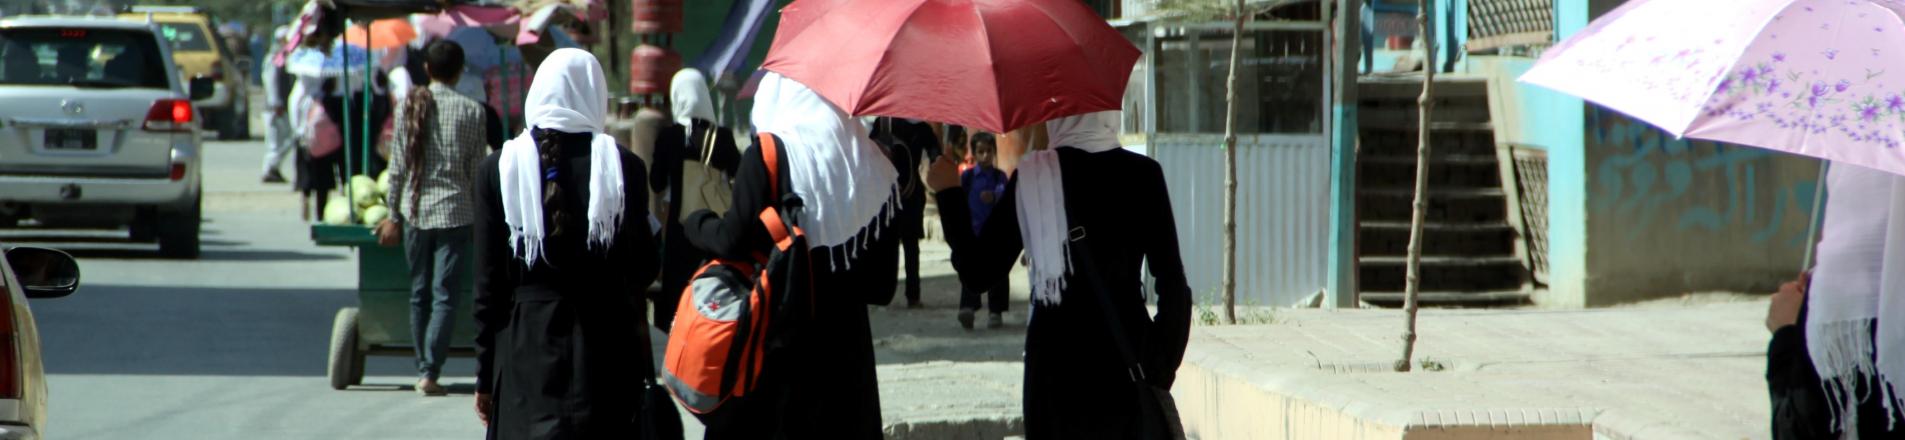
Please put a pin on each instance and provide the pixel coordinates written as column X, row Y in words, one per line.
column 985, row 185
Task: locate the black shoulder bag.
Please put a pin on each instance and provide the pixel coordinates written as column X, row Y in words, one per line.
column 1158, row 417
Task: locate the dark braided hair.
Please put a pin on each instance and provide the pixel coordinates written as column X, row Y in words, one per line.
column 549, row 149
column 443, row 61
column 419, row 109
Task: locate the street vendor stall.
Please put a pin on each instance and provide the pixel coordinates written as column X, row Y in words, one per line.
column 380, row 325
column 350, row 40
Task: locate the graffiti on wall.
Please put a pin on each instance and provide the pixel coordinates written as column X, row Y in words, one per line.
column 1656, row 182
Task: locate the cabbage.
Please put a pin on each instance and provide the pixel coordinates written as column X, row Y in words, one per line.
column 337, row 214
column 364, row 191
column 383, row 183
column 376, row 215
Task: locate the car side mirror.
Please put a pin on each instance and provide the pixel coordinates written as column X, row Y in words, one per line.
column 44, row 273
column 200, row 87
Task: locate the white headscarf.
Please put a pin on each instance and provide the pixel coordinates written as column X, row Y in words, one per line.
column 569, row 94
column 688, row 94
column 1862, row 237
column 1043, row 225
column 845, row 180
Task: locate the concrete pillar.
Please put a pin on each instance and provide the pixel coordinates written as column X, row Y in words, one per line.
column 1567, row 177
column 1347, row 32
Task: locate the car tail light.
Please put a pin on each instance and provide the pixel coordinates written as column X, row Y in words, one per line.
column 169, row 115
column 178, row 171
column 9, row 350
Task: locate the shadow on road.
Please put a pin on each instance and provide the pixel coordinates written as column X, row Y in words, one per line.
column 932, row 333
column 115, row 329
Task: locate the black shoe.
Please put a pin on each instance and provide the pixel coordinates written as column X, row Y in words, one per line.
column 996, row 320
column 965, row 318
column 915, row 304
column 273, row 176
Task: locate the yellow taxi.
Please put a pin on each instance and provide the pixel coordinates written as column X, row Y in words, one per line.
column 199, row 52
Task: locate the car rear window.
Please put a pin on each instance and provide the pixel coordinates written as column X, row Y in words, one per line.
column 188, row 37
column 81, row 57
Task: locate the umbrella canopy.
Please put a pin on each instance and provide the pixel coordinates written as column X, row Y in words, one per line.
column 383, row 34
column 1813, row 77
column 340, row 60
column 499, row 20
column 996, row 65
column 480, row 51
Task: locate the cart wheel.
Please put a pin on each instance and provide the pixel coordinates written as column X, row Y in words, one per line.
column 347, row 362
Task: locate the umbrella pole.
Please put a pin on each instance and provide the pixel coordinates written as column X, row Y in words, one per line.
column 369, row 60
column 502, row 84
column 344, row 124
column 1812, row 223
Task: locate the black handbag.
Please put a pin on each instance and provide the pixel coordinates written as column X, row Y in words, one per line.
column 660, row 419
column 1158, row 417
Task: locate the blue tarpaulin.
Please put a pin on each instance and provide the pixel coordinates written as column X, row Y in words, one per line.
column 728, row 54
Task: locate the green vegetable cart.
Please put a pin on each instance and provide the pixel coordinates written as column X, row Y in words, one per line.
column 380, row 324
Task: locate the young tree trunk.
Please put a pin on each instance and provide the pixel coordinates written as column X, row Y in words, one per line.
column 1413, row 284
column 1230, row 169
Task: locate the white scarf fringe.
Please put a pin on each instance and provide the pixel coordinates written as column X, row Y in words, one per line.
column 569, row 94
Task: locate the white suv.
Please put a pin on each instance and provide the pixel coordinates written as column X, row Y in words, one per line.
column 25, row 273
column 98, row 130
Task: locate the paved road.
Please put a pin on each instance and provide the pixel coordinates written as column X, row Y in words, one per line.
column 231, row 346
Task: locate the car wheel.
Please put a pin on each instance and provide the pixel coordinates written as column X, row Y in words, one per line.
column 145, row 225
column 226, row 123
column 179, row 231
column 347, row 362
column 212, row 119
column 240, row 123
column 244, row 124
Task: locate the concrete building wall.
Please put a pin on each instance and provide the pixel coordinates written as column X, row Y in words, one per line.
column 1668, row 216
column 1635, row 214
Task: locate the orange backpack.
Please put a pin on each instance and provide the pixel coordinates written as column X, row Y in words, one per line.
column 736, row 312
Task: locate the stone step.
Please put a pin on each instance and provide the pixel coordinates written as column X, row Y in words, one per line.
column 1402, row 143
column 1394, row 205
column 1395, row 299
column 1441, row 175
column 1441, row 273
column 1438, row 241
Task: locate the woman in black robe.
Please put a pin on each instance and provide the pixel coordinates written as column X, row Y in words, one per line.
column 562, row 346
column 824, row 385
column 1115, row 201
column 692, row 139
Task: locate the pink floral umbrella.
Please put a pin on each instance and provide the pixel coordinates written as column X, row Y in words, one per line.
column 1822, row 78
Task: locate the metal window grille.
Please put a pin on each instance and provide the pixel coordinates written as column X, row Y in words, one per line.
column 1531, row 179
column 1494, row 24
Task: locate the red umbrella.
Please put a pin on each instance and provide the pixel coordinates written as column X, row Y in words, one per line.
column 992, row 64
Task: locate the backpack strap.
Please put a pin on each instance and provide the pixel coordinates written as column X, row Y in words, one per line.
column 771, row 215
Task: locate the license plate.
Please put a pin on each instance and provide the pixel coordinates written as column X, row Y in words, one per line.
column 71, row 139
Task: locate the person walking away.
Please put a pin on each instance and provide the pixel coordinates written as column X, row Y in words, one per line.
column 907, row 142
column 984, row 184
column 1834, row 354
column 278, row 134
column 333, row 103
column 694, row 159
column 1078, row 382
column 827, row 387
column 956, row 146
column 440, row 142
column 322, row 158
column 563, row 252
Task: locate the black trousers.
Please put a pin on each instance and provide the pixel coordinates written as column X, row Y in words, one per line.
column 909, row 246
column 998, row 296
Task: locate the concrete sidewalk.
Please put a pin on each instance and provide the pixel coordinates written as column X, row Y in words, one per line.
column 1648, row 372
